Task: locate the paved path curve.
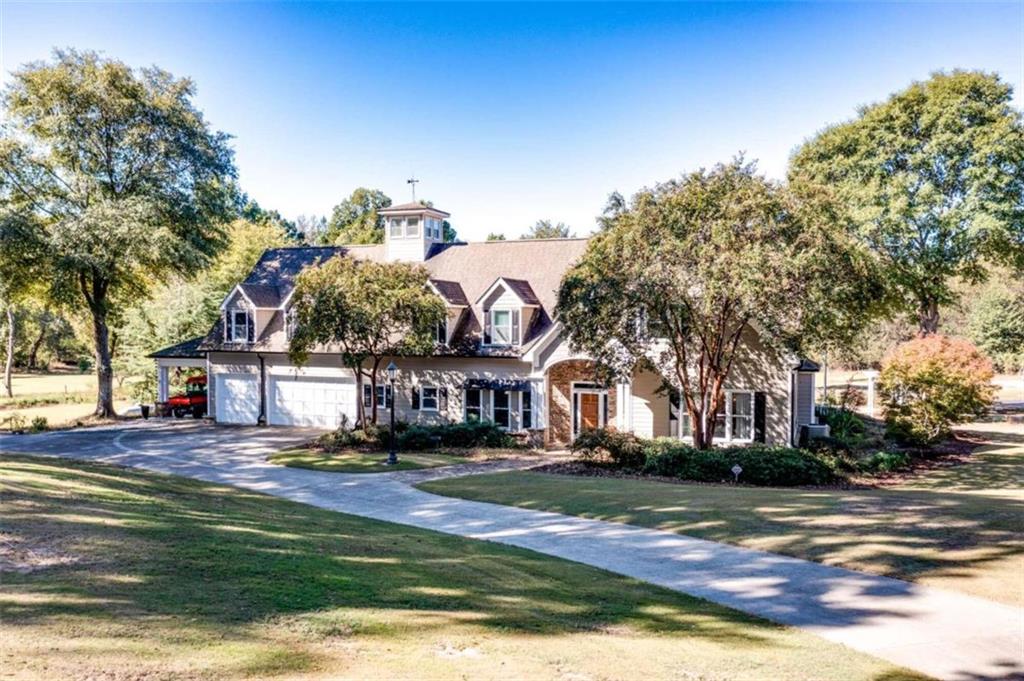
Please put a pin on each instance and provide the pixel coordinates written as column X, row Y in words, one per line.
column 941, row 633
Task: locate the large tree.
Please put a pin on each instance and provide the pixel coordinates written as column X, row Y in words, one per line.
column 934, row 179
column 366, row 311
column 545, row 229
column 356, row 219
column 689, row 268
column 124, row 179
column 22, row 268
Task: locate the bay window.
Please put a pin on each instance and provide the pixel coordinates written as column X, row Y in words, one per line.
column 500, row 403
column 474, row 405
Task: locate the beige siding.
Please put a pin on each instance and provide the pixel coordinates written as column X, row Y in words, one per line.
column 650, row 410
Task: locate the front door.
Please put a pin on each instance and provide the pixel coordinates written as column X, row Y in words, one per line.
column 589, row 406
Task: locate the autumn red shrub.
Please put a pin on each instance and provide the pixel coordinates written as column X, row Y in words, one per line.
column 932, row 382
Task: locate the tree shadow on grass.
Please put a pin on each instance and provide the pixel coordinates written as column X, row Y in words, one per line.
column 150, row 545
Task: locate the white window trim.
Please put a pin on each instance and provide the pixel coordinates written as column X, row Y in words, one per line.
column 512, row 419
column 465, row 404
column 384, row 388
column 728, row 438
column 409, row 227
column 233, row 325
column 441, row 330
column 423, row 397
column 512, row 341
column 399, row 224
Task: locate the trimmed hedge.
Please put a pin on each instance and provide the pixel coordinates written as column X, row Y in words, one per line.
column 762, row 465
column 469, row 434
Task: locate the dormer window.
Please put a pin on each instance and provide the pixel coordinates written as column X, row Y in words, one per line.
column 239, row 327
column 441, row 332
column 501, row 327
column 412, row 227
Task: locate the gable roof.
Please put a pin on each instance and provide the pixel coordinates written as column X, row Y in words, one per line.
column 273, row 276
column 185, row 350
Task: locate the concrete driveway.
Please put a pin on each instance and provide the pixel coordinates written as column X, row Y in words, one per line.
column 943, row 634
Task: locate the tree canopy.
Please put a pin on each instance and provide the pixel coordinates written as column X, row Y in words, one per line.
column 356, row 220
column 367, row 311
column 494, row 236
column 686, row 269
column 934, row 181
column 120, row 177
column 545, row 229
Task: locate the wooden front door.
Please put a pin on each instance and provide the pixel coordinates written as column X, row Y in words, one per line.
column 590, row 411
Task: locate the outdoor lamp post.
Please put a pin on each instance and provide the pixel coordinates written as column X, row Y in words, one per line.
column 392, row 372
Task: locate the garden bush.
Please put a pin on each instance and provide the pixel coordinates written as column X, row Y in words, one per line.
column 622, row 450
column 931, row 383
column 762, row 465
column 39, row 425
column 461, row 435
column 845, row 427
column 884, row 462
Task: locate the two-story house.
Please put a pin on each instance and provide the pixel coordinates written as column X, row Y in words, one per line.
column 500, row 354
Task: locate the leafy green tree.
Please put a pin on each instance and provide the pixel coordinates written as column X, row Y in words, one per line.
column 367, row 311
column 494, row 236
column 254, row 213
column 544, row 229
column 933, row 178
column 996, row 324
column 689, row 269
column 124, row 182
column 356, row 219
column 22, row 266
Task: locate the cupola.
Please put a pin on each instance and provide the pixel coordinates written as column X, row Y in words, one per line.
column 410, row 230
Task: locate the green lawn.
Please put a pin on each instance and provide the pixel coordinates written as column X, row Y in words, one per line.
column 958, row 528
column 122, row 574
column 360, row 462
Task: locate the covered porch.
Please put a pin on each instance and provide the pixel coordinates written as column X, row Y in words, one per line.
column 184, row 355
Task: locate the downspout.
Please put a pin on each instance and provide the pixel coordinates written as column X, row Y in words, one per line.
column 262, row 420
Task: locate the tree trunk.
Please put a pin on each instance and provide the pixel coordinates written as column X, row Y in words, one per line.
column 373, row 389
column 928, row 318
column 104, row 369
column 33, row 353
column 9, row 362
column 360, row 408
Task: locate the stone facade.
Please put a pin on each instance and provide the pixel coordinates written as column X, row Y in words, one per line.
column 561, row 376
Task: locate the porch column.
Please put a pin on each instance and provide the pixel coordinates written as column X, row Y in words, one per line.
column 162, row 383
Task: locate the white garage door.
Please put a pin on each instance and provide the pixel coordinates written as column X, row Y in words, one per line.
column 238, row 398
column 311, row 401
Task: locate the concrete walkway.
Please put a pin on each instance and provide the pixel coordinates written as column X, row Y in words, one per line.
column 940, row 633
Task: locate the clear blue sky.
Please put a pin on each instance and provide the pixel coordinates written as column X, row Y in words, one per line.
column 511, row 113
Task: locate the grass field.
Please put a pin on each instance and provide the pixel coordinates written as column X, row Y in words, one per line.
column 958, row 528
column 122, row 574
column 72, row 398
column 53, row 383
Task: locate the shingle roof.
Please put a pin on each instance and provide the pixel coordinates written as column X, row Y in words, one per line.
column 416, row 205
column 522, row 289
column 451, row 291
column 274, row 274
column 262, row 295
column 185, row 350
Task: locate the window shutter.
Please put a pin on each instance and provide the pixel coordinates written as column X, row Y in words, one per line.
column 367, row 400
column 515, row 327
column 487, row 327
column 250, row 331
column 416, row 397
column 227, row 325
column 759, row 417
column 442, row 399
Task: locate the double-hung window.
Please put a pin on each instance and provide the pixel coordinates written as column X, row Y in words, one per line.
column 474, row 405
column 428, row 398
column 397, row 227
column 412, row 227
column 238, row 323
column 734, row 420
column 501, row 403
column 383, row 396
column 503, row 325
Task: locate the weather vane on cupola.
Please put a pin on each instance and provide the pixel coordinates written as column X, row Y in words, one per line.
column 412, row 182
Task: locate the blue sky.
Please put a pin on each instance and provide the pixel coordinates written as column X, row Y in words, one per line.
column 512, row 113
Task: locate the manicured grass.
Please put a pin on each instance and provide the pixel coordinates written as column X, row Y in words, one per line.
column 958, row 528
column 135, row 575
column 353, row 461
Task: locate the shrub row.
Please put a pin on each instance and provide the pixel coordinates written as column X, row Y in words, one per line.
column 762, row 465
column 416, row 437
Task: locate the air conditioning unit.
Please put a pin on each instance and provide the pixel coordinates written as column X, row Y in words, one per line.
column 812, row 432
